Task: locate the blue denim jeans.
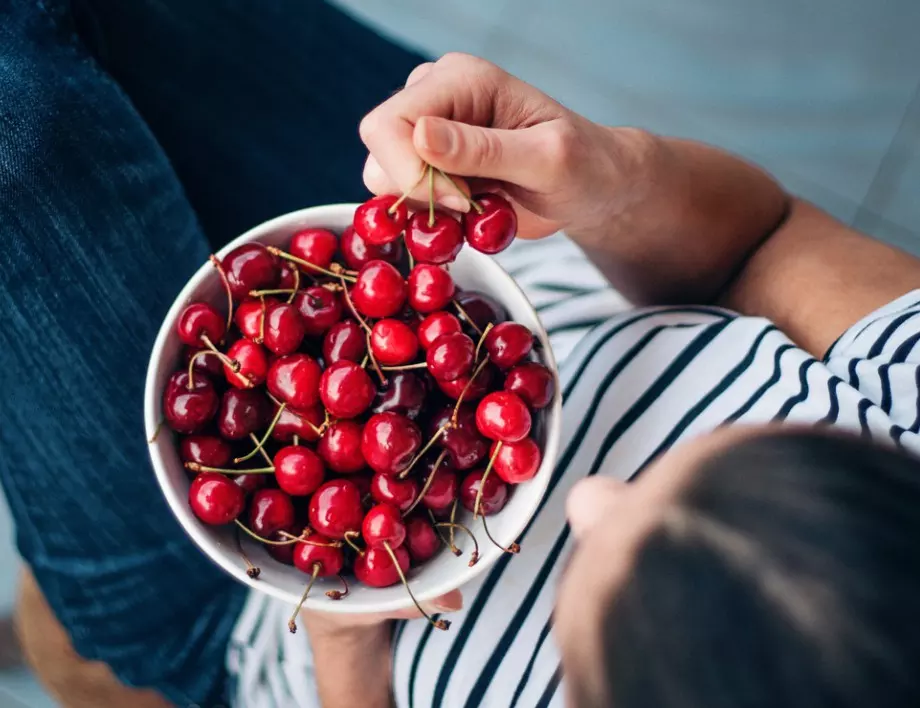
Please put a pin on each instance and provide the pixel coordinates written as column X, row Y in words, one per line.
column 135, row 137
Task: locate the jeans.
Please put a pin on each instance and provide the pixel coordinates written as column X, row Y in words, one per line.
column 135, row 137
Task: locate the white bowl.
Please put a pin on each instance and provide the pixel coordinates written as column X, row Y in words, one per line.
column 472, row 271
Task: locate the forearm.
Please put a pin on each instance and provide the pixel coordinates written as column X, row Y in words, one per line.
column 352, row 665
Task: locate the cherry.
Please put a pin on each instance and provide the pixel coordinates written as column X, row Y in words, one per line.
column 253, row 363
column 248, row 317
column 340, row 447
column 200, row 320
column 533, row 383
column 494, row 493
column 283, row 554
column 437, row 242
column 316, row 246
column 421, row 540
column 393, row 342
column 250, row 267
column 319, row 307
column 481, row 308
column 516, row 462
column 295, row 380
column 481, row 385
column 400, row 493
column 270, row 511
column 404, row 393
column 442, row 492
column 380, row 290
column 383, row 524
column 319, row 550
column 335, row 509
column 249, row 483
column 288, row 279
column 462, row 441
column 376, row 568
column 188, row 411
column 284, row 329
column 493, row 229
column 451, row 356
column 215, row 499
column 241, row 413
column 503, row 416
column 389, row 442
column 430, row 288
column 375, row 223
column 298, row 469
column 207, row 450
column 346, row 390
column 357, row 253
column 508, row 343
column 345, row 340
column 303, row 424
column 363, row 483
column 410, row 318
column 435, row 326
column 208, row 364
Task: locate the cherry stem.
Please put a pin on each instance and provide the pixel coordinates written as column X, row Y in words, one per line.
column 465, row 316
column 191, row 366
column 437, row 624
column 296, row 286
column 482, row 482
column 466, row 389
column 252, row 436
column 296, row 440
column 430, row 196
column 223, row 277
column 427, row 484
column 405, row 367
column 195, row 467
column 233, row 364
column 452, row 548
column 349, row 535
column 252, row 570
column 292, row 623
column 306, row 264
column 374, row 364
column 265, row 437
column 257, row 537
column 316, row 431
column 453, row 519
column 406, row 195
column 307, row 541
column 474, row 556
column 367, row 330
column 364, row 361
column 411, row 259
column 457, row 187
column 156, row 432
column 262, row 319
column 418, row 456
column 338, row 594
column 277, row 291
column 482, row 339
column 513, row 548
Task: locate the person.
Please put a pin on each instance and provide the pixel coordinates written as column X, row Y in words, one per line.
column 750, row 567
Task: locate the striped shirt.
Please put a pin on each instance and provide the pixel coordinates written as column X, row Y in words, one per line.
column 635, row 382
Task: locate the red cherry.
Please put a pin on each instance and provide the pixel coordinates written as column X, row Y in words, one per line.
column 508, row 343
column 287, row 281
column 403, row 393
column 298, row 469
column 450, row 357
column 389, row 442
column 335, row 509
column 439, row 242
column 200, row 319
column 340, row 447
column 534, row 383
column 253, row 363
column 393, row 342
column 481, row 385
column 318, row 550
column 316, row 246
column 345, row 340
column 380, row 290
column 299, row 423
column 284, row 329
column 463, row 441
column 376, row 568
column 357, row 253
column 516, row 462
column 442, row 492
column 319, row 307
column 383, row 524
column 215, row 500
column 208, row 364
column 250, row 267
column 241, row 413
column 494, row 493
column 492, row 230
column 346, row 390
column 421, row 540
column 430, row 288
column 207, row 450
column 188, row 411
column 435, row 326
column 481, row 308
column 249, row 483
column 397, row 492
column 295, row 380
column 374, row 222
column 270, row 511
column 503, row 416
column 248, row 317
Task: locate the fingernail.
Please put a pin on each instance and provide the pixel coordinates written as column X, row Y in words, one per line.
column 437, row 136
column 372, row 170
column 454, row 203
column 446, row 607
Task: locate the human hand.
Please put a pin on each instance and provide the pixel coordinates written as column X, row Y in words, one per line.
column 469, row 118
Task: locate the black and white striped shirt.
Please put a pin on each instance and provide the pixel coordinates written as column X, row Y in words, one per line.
column 635, row 382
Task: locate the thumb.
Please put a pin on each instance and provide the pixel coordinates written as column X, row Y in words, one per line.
column 470, row 151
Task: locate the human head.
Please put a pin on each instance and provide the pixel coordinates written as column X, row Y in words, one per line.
column 746, row 570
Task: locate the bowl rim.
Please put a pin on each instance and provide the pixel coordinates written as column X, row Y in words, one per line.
column 214, row 550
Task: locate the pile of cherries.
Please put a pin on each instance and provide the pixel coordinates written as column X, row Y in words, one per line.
column 353, row 396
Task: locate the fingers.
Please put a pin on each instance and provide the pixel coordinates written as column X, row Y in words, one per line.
column 451, row 602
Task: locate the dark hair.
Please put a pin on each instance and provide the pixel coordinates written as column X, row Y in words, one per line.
column 787, row 574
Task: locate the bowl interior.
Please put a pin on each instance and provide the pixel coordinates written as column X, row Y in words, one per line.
column 472, row 271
